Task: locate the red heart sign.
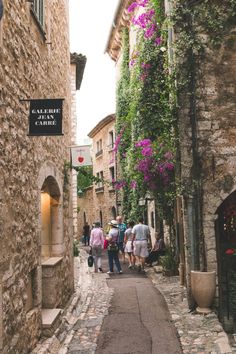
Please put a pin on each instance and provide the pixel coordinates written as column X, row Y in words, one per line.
column 80, row 159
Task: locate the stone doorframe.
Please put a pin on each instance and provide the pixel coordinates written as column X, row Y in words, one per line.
column 50, row 183
column 226, row 245
column 48, row 172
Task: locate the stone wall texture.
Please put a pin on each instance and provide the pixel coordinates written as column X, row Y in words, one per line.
column 215, row 133
column 33, row 65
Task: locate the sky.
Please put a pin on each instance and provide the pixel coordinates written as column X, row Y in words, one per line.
column 90, row 24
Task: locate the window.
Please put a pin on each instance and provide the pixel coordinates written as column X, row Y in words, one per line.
column 100, row 176
column 99, row 148
column 100, row 186
column 111, row 140
column 38, row 10
column 112, row 173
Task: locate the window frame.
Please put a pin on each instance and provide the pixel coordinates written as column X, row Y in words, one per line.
column 38, row 12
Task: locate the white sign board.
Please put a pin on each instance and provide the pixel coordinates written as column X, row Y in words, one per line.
column 80, row 156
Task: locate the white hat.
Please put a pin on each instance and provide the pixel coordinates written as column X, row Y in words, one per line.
column 113, row 223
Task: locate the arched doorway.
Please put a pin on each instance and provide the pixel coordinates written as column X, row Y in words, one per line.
column 226, row 258
column 51, row 219
column 52, row 245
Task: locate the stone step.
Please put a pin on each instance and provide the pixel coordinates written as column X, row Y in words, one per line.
column 50, row 320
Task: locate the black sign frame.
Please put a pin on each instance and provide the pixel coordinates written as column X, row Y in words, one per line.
column 45, row 118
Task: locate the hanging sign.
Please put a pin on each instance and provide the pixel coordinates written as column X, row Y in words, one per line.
column 80, row 156
column 45, row 117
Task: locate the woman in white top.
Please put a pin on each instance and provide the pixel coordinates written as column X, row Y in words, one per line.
column 141, row 235
column 129, row 244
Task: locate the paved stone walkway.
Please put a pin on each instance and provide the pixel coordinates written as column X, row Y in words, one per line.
column 83, row 319
column 198, row 334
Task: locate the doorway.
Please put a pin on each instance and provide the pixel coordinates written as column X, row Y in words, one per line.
column 225, row 229
column 52, row 245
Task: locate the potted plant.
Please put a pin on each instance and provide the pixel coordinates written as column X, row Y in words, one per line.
column 168, row 263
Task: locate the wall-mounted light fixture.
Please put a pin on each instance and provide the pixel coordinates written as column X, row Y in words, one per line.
column 142, row 201
column 80, row 193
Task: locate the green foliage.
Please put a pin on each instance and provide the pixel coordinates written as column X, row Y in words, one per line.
column 168, row 262
column 146, row 108
column 84, row 177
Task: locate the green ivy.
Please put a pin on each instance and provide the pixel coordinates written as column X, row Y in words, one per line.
column 146, row 108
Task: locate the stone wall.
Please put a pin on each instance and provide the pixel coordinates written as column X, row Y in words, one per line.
column 86, row 210
column 215, row 111
column 33, row 65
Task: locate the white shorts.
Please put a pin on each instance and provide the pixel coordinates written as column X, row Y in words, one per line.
column 129, row 247
column 141, row 248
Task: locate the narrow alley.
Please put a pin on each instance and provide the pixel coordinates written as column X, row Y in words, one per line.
column 118, row 132
column 132, row 313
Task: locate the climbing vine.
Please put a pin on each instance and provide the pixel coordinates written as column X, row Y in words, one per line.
column 145, row 110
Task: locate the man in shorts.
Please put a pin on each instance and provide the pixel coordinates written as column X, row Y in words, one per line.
column 141, row 237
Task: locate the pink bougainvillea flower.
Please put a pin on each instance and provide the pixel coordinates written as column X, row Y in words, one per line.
column 157, row 41
column 144, row 142
column 168, row 155
column 132, row 7
column 146, row 151
column 133, row 185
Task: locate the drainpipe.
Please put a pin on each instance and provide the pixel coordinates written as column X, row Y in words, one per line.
column 192, row 232
column 194, row 207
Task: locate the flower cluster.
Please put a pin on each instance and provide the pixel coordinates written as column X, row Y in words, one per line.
column 155, row 163
column 119, row 184
column 146, row 20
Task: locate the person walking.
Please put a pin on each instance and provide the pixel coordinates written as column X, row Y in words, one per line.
column 86, row 233
column 141, row 237
column 128, row 240
column 96, row 243
column 113, row 249
column 122, row 228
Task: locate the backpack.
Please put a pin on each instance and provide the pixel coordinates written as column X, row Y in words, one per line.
column 90, row 260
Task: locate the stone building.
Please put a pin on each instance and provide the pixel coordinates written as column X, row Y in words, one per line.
column 36, row 260
column 203, row 40
column 99, row 201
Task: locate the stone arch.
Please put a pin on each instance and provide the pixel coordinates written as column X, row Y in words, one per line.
column 225, row 231
column 212, row 202
column 51, row 211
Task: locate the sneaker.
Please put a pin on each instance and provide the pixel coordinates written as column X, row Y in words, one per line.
column 109, row 272
column 130, row 266
column 120, row 272
column 100, row 270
